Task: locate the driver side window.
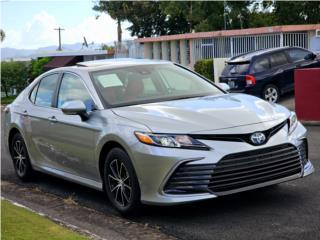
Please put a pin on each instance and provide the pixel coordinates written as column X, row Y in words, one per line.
column 72, row 88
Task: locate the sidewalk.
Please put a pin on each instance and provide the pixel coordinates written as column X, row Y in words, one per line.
column 84, row 220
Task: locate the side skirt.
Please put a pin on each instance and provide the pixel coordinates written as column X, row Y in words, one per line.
column 70, row 177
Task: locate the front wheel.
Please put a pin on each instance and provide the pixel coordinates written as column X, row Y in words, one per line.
column 20, row 157
column 121, row 183
column 271, row 93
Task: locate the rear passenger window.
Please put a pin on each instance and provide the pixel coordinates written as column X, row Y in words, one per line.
column 261, row 65
column 46, row 90
column 297, row 54
column 278, row 59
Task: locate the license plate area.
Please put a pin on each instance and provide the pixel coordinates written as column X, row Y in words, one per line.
column 231, row 83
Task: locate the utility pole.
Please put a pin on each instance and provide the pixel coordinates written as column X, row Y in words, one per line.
column 59, row 30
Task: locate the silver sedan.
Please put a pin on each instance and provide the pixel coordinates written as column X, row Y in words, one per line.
column 151, row 132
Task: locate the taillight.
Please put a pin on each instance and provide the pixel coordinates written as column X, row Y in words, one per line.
column 250, row 80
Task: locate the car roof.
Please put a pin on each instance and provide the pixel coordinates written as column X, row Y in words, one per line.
column 246, row 57
column 105, row 64
column 116, row 62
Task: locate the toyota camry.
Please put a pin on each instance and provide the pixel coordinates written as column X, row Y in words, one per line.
column 151, row 132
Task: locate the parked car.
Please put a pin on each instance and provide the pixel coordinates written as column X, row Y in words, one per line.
column 151, row 132
column 267, row 73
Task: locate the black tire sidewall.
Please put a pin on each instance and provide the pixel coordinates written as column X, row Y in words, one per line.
column 29, row 171
column 121, row 155
column 271, row 86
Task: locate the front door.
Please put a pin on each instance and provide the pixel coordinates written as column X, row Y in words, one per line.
column 73, row 139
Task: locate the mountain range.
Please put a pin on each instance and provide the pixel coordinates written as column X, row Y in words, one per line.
column 13, row 53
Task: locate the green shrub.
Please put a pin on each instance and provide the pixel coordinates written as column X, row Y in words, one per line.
column 7, row 100
column 205, row 68
column 14, row 75
column 37, row 66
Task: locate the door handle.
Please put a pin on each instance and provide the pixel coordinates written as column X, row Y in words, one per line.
column 25, row 113
column 53, row 119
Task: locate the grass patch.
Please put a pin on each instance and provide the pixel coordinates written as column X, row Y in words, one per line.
column 7, row 100
column 19, row 223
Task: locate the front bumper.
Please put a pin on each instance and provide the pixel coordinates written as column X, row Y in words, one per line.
column 155, row 166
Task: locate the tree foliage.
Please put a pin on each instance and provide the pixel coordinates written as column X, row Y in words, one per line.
column 118, row 10
column 37, row 66
column 292, row 12
column 14, row 75
column 152, row 18
column 107, row 47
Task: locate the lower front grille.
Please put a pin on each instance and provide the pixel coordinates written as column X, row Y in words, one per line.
column 238, row 170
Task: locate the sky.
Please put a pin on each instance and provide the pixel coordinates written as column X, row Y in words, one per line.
column 30, row 24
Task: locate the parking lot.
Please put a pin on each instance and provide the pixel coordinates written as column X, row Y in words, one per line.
column 287, row 211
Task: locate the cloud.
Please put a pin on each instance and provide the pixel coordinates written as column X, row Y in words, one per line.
column 39, row 32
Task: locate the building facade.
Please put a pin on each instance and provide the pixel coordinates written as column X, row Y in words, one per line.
column 188, row 48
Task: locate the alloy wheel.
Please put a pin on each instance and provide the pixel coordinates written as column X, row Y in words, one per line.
column 19, row 157
column 271, row 94
column 119, row 183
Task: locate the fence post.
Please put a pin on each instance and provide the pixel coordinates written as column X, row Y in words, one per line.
column 281, row 39
column 231, row 46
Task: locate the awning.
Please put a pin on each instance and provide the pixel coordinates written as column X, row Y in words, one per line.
column 62, row 61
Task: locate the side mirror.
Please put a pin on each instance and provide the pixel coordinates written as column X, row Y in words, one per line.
column 224, row 86
column 310, row 56
column 75, row 107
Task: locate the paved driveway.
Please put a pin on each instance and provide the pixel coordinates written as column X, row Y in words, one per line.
column 286, row 211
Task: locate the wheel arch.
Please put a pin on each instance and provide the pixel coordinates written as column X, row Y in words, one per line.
column 106, row 148
column 271, row 82
column 13, row 131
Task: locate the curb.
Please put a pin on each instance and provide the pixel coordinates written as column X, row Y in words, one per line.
column 97, row 225
column 310, row 123
column 74, row 228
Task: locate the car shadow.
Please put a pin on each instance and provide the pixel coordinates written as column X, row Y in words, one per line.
column 272, row 196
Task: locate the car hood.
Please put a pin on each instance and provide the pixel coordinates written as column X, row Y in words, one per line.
column 204, row 113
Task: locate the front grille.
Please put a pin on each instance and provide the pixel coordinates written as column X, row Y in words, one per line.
column 240, row 137
column 237, row 170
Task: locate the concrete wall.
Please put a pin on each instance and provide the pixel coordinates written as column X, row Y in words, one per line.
column 314, row 42
column 218, row 66
column 147, row 50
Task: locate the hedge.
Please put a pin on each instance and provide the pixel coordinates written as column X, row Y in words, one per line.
column 205, row 68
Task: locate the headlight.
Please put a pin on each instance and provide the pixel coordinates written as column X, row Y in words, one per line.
column 293, row 122
column 171, row 141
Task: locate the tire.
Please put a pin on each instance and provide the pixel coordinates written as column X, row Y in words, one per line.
column 271, row 93
column 121, row 183
column 20, row 158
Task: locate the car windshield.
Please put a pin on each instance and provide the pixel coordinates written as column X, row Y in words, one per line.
column 150, row 83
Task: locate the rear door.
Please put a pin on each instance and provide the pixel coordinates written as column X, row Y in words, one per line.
column 261, row 69
column 282, row 70
column 39, row 120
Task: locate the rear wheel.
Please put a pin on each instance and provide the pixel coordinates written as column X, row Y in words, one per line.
column 271, row 93
column 20, row 157
column 121, row 183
